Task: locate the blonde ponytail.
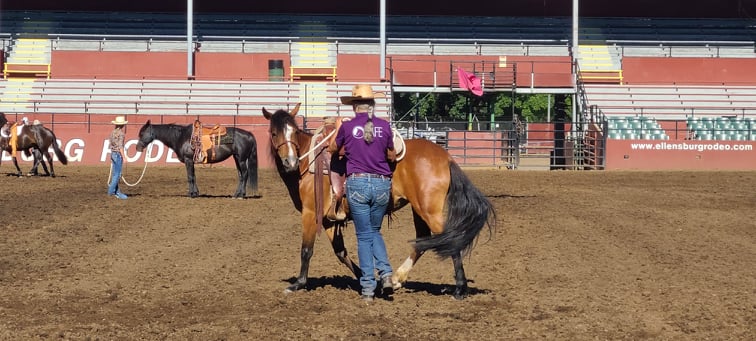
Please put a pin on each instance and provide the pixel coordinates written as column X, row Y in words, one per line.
column 369, row 127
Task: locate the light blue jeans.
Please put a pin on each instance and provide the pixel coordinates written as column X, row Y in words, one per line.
column 368, row 199
column 117, row 165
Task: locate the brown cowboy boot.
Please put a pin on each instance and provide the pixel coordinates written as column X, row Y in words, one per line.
column 336, row 210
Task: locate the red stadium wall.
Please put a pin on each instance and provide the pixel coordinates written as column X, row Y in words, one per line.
column 680, row 155
column 118, row 65
column 359, row 68
column 236, row 66
column 425, row 70
column 689, row 71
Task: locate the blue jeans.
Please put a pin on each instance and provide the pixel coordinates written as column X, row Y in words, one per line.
column 117, row 164
column 368, row 198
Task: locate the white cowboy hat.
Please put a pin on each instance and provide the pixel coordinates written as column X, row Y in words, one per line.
column 361, row 92
column 120, row 120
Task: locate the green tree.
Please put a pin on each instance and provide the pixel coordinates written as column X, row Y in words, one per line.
column 456, row 106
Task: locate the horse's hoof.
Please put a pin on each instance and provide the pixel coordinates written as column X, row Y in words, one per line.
column 460, row 294
column 294, row 287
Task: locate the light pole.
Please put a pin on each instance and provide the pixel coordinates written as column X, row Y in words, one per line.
column 382, row 72
column 189, row 34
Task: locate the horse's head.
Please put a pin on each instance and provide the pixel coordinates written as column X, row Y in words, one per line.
column 146, row 136
column 283, row 131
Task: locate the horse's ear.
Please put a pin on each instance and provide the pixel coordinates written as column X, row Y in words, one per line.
column 148, row 123
column 267, row 114
column 295, row 111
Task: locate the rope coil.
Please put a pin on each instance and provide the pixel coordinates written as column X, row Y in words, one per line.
column 144, row 169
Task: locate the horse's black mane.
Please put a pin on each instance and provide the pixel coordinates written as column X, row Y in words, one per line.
column 174, row 131
column 282, row 118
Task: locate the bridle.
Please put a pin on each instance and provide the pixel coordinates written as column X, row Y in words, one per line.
column 297, row 148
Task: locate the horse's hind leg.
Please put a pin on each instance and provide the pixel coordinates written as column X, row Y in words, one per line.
column 241, row 170
column 34, row 171
column 51, row 173
column 461, row 290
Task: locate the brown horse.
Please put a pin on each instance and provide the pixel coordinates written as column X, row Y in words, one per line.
column 449, row 211
column 35, row 140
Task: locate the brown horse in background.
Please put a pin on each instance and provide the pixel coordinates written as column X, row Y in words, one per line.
column 34, row 140
column 448, row 210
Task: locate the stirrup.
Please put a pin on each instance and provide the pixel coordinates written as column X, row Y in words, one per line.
column 336, row 214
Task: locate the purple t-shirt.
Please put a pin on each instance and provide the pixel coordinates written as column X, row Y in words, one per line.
column 361, row 156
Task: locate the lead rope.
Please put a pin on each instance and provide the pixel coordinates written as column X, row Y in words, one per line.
column 326, row 138
column 110, row 173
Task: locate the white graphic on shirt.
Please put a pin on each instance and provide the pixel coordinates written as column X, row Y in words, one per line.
column 359, row 132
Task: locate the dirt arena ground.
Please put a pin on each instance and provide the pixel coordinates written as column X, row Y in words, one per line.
column 575, row 256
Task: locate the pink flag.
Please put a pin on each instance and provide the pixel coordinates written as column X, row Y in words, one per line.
column 470, row 82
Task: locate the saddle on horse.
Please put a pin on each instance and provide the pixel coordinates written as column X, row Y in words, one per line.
column 336, row 165
column 205, row 141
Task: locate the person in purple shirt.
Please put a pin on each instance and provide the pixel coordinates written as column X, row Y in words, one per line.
column 369, row 149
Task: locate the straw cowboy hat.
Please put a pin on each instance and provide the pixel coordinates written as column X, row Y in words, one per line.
column 120, row 120
column 361, row 92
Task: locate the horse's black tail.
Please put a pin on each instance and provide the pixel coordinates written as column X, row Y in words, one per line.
column 252, row 168
column 59, row 153
column 468, row 211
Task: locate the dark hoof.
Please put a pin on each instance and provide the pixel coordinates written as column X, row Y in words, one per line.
column 294, row 287
column 460, row 293
column 193, row 195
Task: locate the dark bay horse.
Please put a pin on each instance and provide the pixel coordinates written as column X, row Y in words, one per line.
column 37, row 140
column 238, row 143
column 449, row 211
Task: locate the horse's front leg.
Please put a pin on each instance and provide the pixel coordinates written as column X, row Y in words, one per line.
column 309, row 232
column 241, row 170
column 336, row 235
column 18, row 169
column 461, row 290
column 190, row 178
